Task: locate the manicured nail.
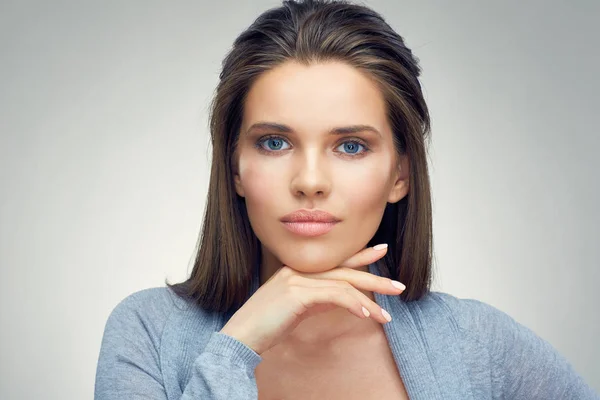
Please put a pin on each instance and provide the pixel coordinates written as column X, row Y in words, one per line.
column 386, row 315
column 366, row 312
column 380, row 247
column 398, row 285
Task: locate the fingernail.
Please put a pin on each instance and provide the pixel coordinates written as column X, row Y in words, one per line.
column 380, row 247
column 366, row 312
column 386, row 315
column 398, row 285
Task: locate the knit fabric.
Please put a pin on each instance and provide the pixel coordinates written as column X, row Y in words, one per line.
column 158, row 346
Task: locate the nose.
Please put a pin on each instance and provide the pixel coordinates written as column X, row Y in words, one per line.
column 311, row 176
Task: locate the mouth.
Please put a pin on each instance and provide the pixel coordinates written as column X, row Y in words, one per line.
column 309, row 223
column 309, row 229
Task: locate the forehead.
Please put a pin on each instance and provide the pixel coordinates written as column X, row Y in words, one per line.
column 315, row 97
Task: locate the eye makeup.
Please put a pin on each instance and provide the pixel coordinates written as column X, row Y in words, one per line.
column 276, row 144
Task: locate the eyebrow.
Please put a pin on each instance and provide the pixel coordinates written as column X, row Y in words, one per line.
column 343, row 130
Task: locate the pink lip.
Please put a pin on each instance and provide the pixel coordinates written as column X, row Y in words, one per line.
column 309, row 216
column 309, row 228
column 309, row 222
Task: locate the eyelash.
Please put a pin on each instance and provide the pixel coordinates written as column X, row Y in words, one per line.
column 360, row 142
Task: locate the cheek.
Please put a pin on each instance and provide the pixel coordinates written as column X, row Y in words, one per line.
column 363, row 191
column 365, row 188
column 262, row 185
column 258, row 184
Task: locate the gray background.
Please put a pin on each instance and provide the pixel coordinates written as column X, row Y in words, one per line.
column 104, row 167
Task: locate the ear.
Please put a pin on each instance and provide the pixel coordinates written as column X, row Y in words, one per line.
column 238, row 184
column 235, row 169
column 401, row 179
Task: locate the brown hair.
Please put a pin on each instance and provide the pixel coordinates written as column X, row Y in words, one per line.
column 308, row 32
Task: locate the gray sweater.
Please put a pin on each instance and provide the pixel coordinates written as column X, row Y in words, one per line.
column 158, row 346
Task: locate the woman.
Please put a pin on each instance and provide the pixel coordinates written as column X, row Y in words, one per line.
column 318, row 207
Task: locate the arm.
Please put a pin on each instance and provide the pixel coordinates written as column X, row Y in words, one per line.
column 224, row 370
column 129, row 364
column 524, row 366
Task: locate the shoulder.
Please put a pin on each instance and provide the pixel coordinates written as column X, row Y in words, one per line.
column 507, row 342
column 520, row 363
column 151, row 303
column 477, row 324
column 469, row 316
column 144, row 312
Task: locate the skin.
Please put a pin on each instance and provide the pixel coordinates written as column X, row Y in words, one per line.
column 352, row 175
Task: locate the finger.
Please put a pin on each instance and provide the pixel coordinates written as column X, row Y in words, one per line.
column 311, row 296
column 359, row 279
column 374, row 309
column 365, row 256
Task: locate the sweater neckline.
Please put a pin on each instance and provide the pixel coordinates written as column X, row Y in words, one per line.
column 411, row 335
column 408, row 348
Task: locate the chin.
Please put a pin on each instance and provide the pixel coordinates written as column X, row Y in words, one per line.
column 311, row 259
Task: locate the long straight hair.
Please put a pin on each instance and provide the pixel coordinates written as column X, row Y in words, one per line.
column 309, row 32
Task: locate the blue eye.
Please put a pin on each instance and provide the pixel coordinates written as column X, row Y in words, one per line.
column 272, row 144
column 352, row 147
column 275, row 144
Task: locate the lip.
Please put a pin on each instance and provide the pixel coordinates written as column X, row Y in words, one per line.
column 305, row 215
column 309, row 222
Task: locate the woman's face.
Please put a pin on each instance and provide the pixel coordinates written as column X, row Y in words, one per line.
column 300, row 164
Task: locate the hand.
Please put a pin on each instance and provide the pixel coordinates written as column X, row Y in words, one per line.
column 289, row 297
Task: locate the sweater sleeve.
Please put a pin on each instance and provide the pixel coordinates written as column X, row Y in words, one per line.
column 524, row 366
column 129, row 364
column 224, row 370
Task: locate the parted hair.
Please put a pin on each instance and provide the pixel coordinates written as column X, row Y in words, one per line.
column 308, row 32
